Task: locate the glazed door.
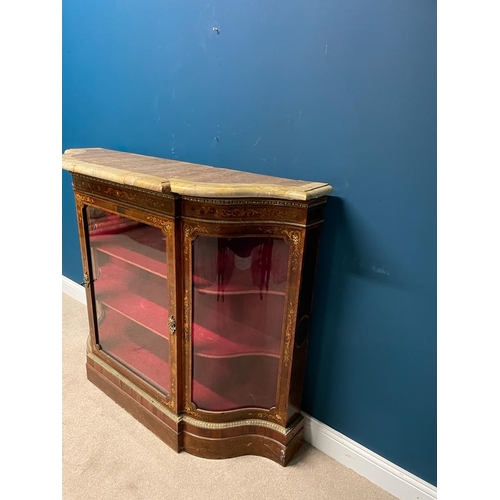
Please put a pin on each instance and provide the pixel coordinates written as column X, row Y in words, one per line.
column 131, row 276
column 239, row 316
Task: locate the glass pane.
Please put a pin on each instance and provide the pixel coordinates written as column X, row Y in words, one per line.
column 239, row 289
column 129, row 268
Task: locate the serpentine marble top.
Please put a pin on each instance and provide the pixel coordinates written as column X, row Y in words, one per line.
column 191, row 179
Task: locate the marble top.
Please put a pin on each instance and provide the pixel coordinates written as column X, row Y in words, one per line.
column 163, row 175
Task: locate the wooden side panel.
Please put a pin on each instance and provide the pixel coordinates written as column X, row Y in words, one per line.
column 301, row 337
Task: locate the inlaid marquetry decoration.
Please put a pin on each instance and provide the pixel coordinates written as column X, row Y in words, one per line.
column 165, row 224
column 83, row 198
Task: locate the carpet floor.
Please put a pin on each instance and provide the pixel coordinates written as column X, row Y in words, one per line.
column 107, row 454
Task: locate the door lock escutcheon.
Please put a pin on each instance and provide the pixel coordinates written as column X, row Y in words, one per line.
column 172, row 325
column 86, row 280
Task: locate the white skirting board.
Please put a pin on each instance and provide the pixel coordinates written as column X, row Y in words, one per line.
column 397, row 481
column 74, row 290
column 378, row 470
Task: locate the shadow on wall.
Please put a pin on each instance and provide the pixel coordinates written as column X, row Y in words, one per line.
column 348, row 247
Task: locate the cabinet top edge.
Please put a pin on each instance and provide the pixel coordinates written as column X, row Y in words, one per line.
column 170, row 176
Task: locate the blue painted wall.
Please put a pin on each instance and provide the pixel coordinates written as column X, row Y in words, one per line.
column 336, row 91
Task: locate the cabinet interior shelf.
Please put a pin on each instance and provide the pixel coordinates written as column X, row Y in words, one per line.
column 240, row 284
column 137, row 348
column 242, row 340
column 132, row 302
column 125, row 248
column 204, row 397
column 223, row 384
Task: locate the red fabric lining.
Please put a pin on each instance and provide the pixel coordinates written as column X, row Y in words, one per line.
column 128, row 293
column 249, row 381
column 216, row 334
column 111, row 224
column 118, row 250
column 214, row 264
column 142, row 351
column 236, row 345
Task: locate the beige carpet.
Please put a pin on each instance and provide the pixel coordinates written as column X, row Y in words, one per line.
column 107, row 454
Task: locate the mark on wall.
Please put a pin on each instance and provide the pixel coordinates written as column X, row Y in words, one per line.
column 172, row 148
column 380, row 270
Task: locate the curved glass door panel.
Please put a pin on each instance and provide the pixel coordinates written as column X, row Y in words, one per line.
column 129, row 273
column 239, row 287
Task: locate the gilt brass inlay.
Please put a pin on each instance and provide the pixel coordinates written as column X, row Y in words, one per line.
column 288, row 333
column 237, row 423
column 215, row 201
column 292, row 239
column 186, row 315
